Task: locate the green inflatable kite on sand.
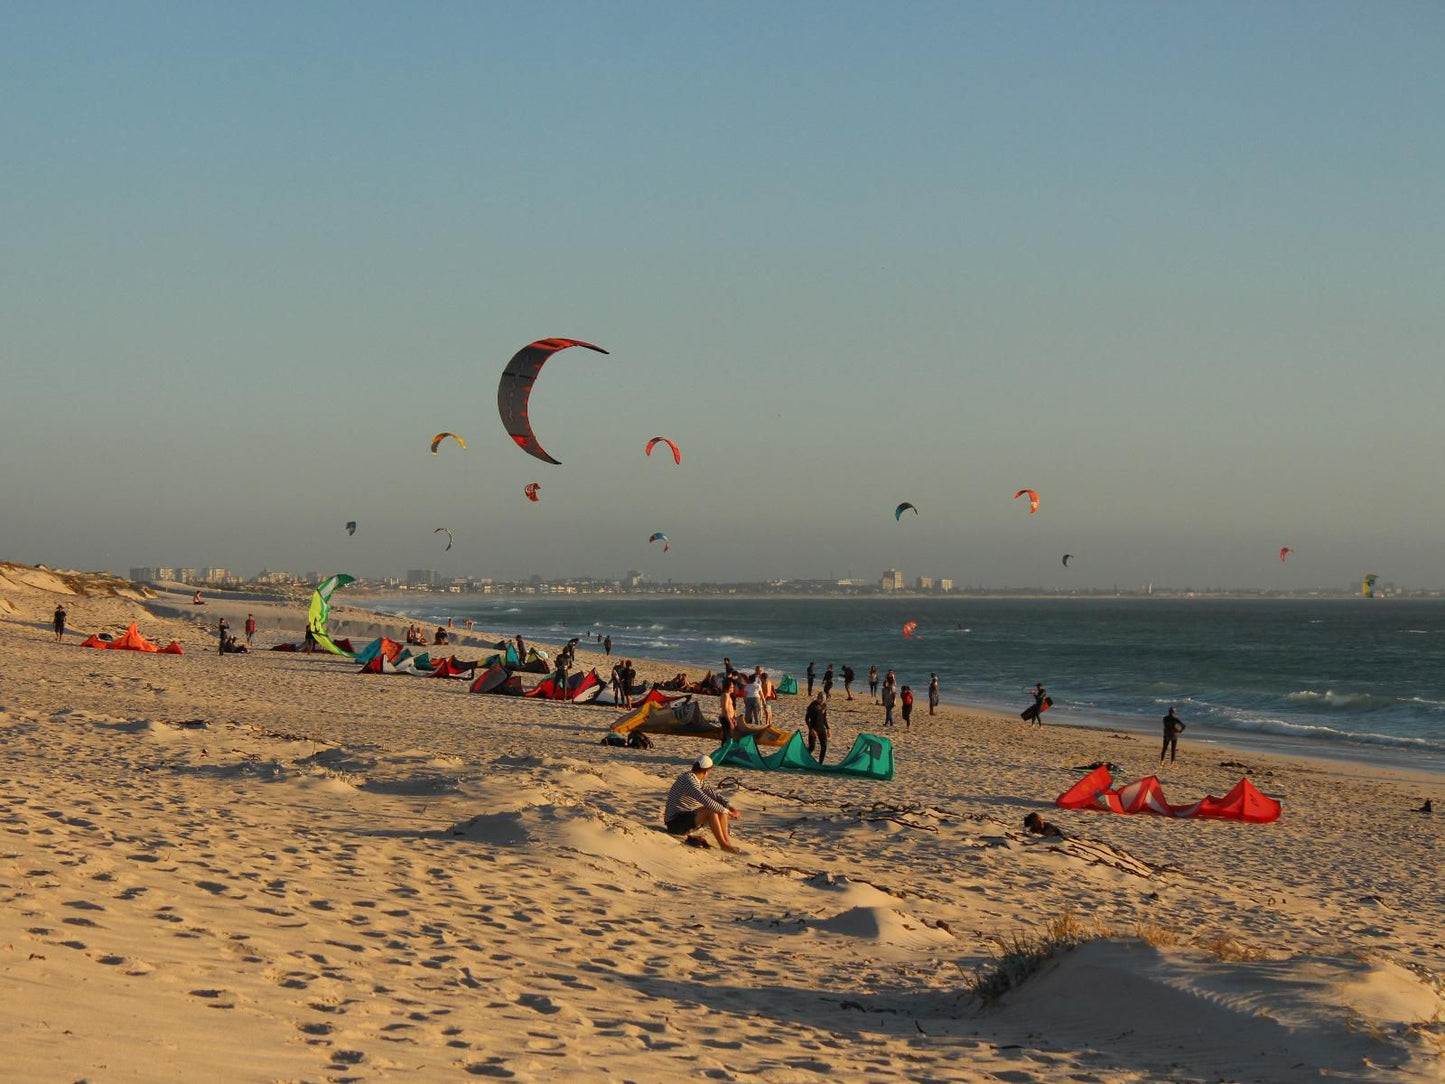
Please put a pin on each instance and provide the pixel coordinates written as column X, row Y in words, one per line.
column 318, row 614
column 870, row 758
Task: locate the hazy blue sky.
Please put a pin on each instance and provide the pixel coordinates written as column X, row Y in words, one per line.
column 1178, row 267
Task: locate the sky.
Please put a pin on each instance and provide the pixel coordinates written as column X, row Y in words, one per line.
column 1177, row 267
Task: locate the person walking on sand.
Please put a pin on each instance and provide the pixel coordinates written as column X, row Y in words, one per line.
column 873, row 683
column 250, row 628
column 692, row 804
column 816, row 719
column 828, row 681
column 1173, row 727
column 932, row 693
column 222, row 631
column 890, row 696
column 59, row 623
column 907, row 699
column 848, row 681
column 1035, row 712
column 767, row 698
column 607, row 645
column 812, row 673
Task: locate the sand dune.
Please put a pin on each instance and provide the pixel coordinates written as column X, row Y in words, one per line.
column 270, row 867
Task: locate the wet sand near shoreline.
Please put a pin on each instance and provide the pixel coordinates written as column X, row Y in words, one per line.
column 270, row 867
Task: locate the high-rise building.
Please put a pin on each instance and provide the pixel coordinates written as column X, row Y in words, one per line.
column 422, row 577
column 925, row 583
column 892, row 580
column 945, row 584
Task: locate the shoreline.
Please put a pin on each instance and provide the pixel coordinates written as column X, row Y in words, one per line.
column 1342, row 750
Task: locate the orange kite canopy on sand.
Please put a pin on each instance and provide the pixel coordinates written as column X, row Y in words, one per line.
column 1096, row 791
column 132, row 640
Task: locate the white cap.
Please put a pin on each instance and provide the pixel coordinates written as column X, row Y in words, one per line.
column 703, row 762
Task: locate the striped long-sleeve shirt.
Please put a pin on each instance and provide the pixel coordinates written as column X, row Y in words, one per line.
column 689, row 793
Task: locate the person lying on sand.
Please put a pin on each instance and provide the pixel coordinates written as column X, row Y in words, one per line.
column 692, row 804
column 1036, row 825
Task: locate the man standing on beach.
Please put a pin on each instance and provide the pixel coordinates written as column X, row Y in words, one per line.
column 728, row 715
column 817, row 722
column 932, row 693
column 59, row 623
column 848, row 680
column 1173, row 727
column 753, row 699
column 873, row 682
column 889, row 696
column 828, row 680
column 607, row 645
column 692, row 804
column 222, row 631
column 812, row 673
column 250, row 628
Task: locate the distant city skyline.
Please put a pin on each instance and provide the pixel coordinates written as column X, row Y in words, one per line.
column 1178, row 269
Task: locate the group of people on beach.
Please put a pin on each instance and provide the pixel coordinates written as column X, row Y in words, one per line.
column 893, row 695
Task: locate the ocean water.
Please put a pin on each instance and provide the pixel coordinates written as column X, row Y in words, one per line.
column 1358, row 678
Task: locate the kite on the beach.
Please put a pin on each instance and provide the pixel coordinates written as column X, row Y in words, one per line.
column 319, row 612
column 1066, row 559
column 1097, row 791
column 1367, row 586
column 436, row 440
column 532, row 489
column 660, row 537
column 1033, row 499
column 515, row 389
column 351, row 526
column 439, row 530
column 676, row 455
column 1283, row 551
column 905, row 506
column 909, row 628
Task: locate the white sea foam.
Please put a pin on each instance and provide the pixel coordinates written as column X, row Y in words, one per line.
column 1262, row 725
column 1344, row 701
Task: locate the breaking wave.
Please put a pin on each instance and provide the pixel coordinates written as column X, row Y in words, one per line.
column 1339, row 701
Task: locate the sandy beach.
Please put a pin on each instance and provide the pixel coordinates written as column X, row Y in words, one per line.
column 272, row 868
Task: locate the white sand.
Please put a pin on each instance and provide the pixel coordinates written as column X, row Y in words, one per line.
column 269, row 867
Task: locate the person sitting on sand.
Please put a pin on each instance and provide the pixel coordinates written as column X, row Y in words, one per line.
column 692, row 804
column 440, row 637
column 197, row 600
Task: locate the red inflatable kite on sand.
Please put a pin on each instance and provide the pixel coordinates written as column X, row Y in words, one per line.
column 1096, row 791
column 132, row 640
